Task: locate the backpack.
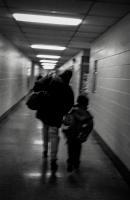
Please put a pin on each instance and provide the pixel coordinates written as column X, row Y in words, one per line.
column 86, row 129
column 75, row 128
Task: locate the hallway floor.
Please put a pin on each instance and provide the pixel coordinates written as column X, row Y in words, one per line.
column 24, row 175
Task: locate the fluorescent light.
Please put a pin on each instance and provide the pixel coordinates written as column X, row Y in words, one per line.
column 48, row 56
column 50, row 47
column 48, row 61
column 47, row 19
column 48, row 65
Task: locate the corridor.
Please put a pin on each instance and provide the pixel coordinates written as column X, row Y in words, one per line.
column 24, row 175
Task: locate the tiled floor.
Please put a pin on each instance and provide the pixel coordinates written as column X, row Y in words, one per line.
column 24, row 175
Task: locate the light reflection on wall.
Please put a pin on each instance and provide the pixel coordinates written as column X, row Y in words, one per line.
column 29, row 71
column 39, row 125
column 39, row 142
column 36, row 70
column 33, row 174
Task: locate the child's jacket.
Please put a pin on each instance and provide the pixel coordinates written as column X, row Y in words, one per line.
column 78, row 123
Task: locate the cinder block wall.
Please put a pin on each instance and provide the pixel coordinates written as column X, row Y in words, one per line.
column 13, row 75
column 111, row 101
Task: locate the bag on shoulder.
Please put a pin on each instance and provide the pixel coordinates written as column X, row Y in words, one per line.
column 33, row 101
column 68, row 119
column 36, row 100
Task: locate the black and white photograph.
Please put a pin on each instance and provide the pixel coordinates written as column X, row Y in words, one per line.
column 64, row 99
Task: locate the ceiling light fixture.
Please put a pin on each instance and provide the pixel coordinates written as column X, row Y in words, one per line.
column 46, row 19
column 48, row 61
column 50, row 47
column 48, row 67
column 50, row 64
column 48, row 56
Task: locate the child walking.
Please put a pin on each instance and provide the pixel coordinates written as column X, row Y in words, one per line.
column 77, row 125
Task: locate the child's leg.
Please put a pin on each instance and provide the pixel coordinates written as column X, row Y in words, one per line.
column 70, row 149
column 70, row 152
column 77, row 154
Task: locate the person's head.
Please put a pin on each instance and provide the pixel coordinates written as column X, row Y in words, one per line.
column 83, row 100
column 66, row 75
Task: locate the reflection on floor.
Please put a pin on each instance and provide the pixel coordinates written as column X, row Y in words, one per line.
column 24, row 175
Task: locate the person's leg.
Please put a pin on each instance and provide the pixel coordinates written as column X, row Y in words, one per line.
column 45, row 139
column 54, row 140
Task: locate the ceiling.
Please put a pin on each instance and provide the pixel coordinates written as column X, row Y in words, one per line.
column 97, row 16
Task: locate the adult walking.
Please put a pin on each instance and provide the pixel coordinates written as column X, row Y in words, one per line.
column 60, row 100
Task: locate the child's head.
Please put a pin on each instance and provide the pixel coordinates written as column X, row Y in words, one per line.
column 83, row 100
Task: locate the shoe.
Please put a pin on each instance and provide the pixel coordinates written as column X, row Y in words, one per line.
column 45, row 154
column 54, row 166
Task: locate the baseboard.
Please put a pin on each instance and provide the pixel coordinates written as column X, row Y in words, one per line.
column 5, row 115
column 123, row 170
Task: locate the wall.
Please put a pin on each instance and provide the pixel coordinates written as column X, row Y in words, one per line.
column 76, row 66
column 14, row 75
column 111, row 102
column 35, row 71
